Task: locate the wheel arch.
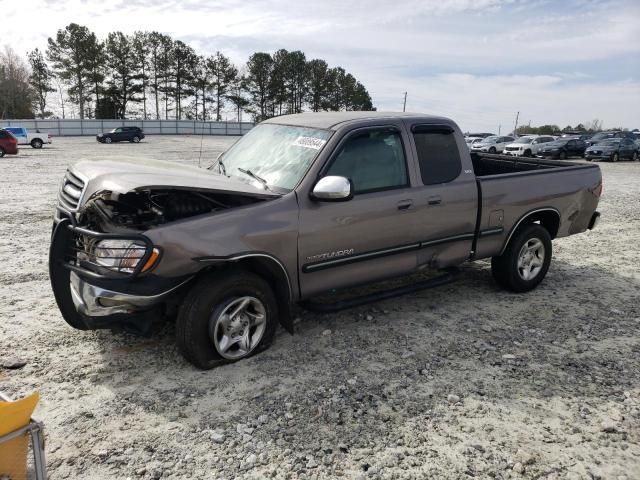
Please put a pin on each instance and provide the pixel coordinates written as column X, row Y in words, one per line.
column 272, row 270
column 548, row 217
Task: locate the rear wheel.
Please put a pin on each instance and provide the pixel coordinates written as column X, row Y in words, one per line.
column 615, row 157
column 36, row 143
column 135, row 139
column 525, row 261
column 562, row 155
column 634, row 157
column 226, row 317
column 2, row 152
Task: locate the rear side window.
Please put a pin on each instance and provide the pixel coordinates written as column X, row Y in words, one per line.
column 438, row 155
column 373, row 161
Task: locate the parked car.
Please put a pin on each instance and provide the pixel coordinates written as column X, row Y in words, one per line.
column 301, row 205
column 613, row 149
column 25, row 137
column 527, row 146
column 8, row 143
column 493, row 144
column 563, row 148
column 121, row 134
column 480, row 135
column 471, row 141
column 600, row 136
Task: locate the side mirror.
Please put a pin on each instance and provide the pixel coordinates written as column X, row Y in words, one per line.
column 333, row 189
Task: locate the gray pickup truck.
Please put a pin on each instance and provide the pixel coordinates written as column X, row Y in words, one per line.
column 302, row 205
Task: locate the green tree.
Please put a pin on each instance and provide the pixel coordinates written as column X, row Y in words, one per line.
column 223, row 75
column 317, row 86
column 71, row 54
column 16, row 94
column 258, row 82
column 40, row 80
column 140, row 44
column 124, row 84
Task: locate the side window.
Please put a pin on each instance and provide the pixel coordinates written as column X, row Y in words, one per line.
column 372, row 161
column 571, row 143
column 438, row 155
column 118, row 130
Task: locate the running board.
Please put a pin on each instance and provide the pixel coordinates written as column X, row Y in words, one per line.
column 320, row 307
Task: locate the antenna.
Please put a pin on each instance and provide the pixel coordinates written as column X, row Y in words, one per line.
column 404, row 107
column 516, row 125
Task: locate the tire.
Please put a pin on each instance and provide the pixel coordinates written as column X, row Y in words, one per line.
column 507, row 268
column 135, row 139
column 2, row 152
column 492, row 150
column 527, row 153
column 615, row 157
column 562, row 155
column 36, row 143
column 635, row 157
column 201, row 325
column 108, row 140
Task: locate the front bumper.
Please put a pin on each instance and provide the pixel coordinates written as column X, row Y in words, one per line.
column 95, row 301
column 90, row 300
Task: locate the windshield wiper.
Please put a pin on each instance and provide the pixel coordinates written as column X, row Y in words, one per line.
column 256, row 177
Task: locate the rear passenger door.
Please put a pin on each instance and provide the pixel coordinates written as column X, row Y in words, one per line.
column 446, row 200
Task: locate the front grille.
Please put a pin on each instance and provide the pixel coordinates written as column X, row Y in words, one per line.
column 512, row 149
column 71, row 191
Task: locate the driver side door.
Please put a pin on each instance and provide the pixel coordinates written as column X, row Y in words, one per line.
column 371, row 236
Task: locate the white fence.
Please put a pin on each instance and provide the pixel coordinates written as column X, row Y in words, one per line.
column 64, row 128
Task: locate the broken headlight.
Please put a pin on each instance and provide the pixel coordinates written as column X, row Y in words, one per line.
column 122, row 255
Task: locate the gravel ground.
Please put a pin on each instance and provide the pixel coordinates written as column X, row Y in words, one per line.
column 456, row 382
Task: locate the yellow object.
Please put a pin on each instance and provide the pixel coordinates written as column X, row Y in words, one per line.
column 13, row 454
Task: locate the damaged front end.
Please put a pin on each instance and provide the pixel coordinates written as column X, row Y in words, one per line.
column 101, row 263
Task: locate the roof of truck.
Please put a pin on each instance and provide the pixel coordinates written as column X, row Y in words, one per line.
column 333, row 119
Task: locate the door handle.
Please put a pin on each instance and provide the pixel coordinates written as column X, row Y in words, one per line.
column 405, row 204
column 435, row 200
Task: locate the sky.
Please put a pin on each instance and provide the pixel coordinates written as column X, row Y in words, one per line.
column 479, row 62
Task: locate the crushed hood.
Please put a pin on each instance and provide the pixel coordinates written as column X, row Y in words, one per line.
column 126, row 175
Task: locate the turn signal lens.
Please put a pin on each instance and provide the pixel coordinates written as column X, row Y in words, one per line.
column 155, row 254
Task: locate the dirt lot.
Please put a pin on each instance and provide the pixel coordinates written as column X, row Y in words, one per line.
column 461, row 381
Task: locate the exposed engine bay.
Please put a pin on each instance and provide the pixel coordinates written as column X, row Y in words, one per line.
column 148, row 208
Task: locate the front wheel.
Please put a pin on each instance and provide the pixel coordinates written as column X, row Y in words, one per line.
column 226, row 317
column 107, row 140
column 492, row 150
column 2, row 152
column 562, row 155
column 525, row 261
column 615, row 157
column 36, row 143
column 635, row 156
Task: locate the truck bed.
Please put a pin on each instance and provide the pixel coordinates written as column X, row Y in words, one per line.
column 487, row 164
column 510, row 188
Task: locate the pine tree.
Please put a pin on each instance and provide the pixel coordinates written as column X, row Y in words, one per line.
column 124, row 84
column 71, row 54
column 223, row 75
column 40, row 80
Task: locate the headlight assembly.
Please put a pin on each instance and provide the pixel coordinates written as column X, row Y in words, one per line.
column 121, row 255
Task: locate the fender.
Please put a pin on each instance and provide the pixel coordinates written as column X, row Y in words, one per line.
column 524, row 217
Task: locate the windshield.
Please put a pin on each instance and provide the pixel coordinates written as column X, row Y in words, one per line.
column 279, row 154
column 601, row 135
column 524, row 140
column 490, row 139
column 611, row 141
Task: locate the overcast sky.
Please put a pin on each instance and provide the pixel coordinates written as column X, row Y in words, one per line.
column 477, row 61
